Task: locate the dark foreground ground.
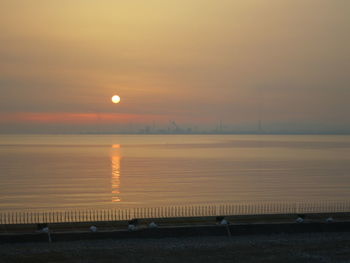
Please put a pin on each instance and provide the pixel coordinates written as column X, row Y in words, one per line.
column 316, row 247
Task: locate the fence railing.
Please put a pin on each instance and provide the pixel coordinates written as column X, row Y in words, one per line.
column 91, row 215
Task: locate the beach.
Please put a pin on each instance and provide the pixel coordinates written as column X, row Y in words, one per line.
column 306, row 247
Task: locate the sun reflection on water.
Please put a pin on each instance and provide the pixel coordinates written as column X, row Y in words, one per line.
column 115, row 180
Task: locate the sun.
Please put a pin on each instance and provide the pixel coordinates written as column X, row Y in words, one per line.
column 115, row 99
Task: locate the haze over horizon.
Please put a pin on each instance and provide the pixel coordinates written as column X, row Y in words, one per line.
column 283, row 64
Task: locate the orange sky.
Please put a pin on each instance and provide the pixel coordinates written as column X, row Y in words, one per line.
column 74, row 118
column 194, row 62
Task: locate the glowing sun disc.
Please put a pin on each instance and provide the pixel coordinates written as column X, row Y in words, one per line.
column 115, row 99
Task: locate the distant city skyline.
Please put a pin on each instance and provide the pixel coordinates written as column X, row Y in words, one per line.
column 180, row 128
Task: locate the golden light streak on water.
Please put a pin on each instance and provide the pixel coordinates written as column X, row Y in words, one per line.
column 115, row 180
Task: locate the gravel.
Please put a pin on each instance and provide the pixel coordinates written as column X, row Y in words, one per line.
column 313, row 247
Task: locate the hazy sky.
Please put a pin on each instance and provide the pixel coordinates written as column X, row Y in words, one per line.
column 191, row 61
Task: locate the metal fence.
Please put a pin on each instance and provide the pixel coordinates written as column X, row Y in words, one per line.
column 94, row 215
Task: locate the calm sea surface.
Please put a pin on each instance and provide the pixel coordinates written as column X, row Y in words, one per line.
column 98, row 171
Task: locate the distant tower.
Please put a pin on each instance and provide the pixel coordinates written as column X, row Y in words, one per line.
column 177, row 128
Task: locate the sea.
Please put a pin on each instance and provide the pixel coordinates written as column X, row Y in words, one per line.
column 45, row 172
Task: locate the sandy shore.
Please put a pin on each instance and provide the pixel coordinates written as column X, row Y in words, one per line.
column 316, row 247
